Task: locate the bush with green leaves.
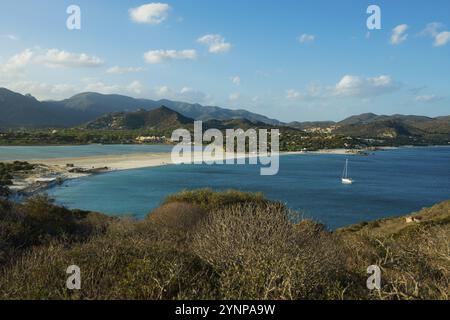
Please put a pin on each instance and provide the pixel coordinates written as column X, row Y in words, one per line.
column 209, row 199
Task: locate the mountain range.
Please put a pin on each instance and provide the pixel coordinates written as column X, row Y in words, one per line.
column 162, row 119
column 99, row 111
column 370, row 125
column 158, row 119
column 25, row 111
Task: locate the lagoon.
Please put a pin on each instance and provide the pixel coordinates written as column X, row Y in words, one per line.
column 387, row 183
column 26, row 153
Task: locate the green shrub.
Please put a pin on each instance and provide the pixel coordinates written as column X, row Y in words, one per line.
column 208, row 199
column 178, row 216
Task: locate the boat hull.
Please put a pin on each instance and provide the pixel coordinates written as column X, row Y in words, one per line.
column 347, row 181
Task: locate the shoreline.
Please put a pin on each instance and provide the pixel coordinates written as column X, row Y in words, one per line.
column 144, row 160
column 54, row 171
column 51, row 172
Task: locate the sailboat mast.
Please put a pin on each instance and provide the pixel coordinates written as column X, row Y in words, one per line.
column 344, row 174
column 346, row 168
column 345, row 178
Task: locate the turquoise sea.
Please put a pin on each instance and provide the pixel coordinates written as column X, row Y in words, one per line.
column 54, row 152
column 387, row 183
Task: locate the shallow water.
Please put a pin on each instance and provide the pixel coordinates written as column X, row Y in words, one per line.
column 387, row 183
column 52, row 152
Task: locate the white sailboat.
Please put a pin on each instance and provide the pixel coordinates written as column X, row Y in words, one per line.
column 345, row 179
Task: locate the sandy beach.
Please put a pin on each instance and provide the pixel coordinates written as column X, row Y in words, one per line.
column 144, row 160
column 112, row 162
column 51, row 171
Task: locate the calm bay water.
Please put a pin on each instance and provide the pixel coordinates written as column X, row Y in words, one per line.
column 52, row 152
column 388, row 183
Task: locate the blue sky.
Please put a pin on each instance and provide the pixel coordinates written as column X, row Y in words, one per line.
column 291, row 59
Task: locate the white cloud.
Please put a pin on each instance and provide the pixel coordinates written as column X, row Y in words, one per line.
column 151, row 13
column 234, row 96
column 186, row 94
column 292, row 94
column 17, row 61
column 159, row 56
column 349, row 86
column 163, row 91
column 135, row 87
column 236, row 80
column 50, row 58
column 427, row 98
column 440, row 38
column 101, row 87
column 191, row 95
column 185, row 90
column 312, row 91
column 398, row 34
column 304, row 38
column 63, row 89
column 95, row 85
column 215, row 43
column 431, row 29
column 122, row 70
column 42, row 90
column 10, row 37
column 56, row 58
column 357, row 86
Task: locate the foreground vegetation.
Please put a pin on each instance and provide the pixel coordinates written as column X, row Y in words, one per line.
column 229, row 245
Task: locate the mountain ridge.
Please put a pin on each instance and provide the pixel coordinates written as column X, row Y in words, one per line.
column 162, row 119
column 96, row 102
column 27, row 112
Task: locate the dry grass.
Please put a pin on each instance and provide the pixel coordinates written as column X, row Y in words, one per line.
column 260, row 254
column 415, row 257
column 37, row 221
column 206, row 246
column 180, row 216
